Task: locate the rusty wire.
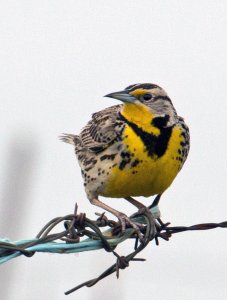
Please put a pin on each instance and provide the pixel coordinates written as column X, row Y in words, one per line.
column 78, row 226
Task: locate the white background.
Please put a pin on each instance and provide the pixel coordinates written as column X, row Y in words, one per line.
column 57, row 60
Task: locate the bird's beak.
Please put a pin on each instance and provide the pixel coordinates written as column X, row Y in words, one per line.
column 123, row 96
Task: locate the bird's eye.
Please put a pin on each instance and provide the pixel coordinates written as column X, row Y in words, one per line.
column 147, row 97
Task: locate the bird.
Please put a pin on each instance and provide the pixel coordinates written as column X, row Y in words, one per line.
column 132, row 149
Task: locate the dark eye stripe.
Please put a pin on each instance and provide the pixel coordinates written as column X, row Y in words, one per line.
column 162, row 98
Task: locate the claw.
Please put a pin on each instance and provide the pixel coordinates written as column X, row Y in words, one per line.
column 124, row 220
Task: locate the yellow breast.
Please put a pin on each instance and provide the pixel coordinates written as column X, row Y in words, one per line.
column 149, row 175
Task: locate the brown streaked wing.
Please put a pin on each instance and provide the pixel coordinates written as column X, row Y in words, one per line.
column 100, row 130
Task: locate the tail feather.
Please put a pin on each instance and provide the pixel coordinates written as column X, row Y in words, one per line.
column 69, row 138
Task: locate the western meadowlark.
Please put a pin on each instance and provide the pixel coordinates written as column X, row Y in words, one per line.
column 133, row 149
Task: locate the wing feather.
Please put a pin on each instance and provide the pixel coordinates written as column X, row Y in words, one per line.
column 100, row 130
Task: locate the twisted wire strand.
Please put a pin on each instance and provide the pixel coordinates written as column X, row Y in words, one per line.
column 82, row 234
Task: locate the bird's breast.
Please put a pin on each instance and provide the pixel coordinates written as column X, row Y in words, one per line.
column 147, row 163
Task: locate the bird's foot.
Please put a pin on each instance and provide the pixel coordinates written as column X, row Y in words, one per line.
column 125, row 221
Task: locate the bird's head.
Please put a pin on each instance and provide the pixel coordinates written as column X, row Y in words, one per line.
column 148, row 94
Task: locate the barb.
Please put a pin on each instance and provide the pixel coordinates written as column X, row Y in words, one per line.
column 123, row 261
column 82, row 234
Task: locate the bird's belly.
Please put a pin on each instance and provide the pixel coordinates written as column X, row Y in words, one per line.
column 150, row 176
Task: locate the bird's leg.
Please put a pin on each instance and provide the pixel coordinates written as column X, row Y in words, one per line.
column 135, row 203
column 140, row 206
column 121, row 217
column 154, row 210
column 153, row 207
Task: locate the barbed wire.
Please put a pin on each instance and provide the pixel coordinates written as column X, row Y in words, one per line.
column 82, row 234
